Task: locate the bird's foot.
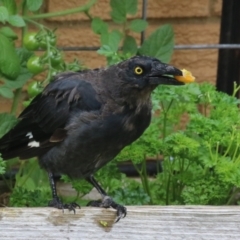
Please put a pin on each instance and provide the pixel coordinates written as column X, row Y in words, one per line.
column 107, row 202
column 56, row 203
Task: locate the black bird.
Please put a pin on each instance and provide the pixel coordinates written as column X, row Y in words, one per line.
column 82, row 120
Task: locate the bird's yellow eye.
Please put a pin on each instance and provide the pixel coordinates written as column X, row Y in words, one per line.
column 138, row 70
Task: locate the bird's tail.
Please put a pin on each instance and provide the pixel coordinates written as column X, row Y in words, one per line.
column 15, row 142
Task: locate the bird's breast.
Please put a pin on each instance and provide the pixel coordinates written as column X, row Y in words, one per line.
column 135, row 122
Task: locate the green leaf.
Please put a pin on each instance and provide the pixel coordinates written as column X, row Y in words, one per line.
column 129, row 45
column 159, row 44
column 11, row 6
column 138, row 25
column 120, row 9
column 24, row 55
column 2, row 166
column 81, row 186
column 99, row 26
column 24, row 74
column 114, row 39
column 131, row 6
column 118, row 12
column 118, row 17
column 9, row 60
column 20, row 81
column 104, row 38
column 34, row 5
column 16, row 21
column 7, row 121
column 9, row 33
column 3, row 14
column 6, row 92
column 105, row 50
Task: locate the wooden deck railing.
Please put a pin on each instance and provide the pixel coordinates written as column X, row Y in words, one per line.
column 142, row 222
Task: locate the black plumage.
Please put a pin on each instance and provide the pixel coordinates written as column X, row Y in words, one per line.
column 82, row 120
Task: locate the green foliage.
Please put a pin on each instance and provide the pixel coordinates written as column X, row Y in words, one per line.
column 9, row 33
column 3, row 14
column 9, row 60
column 81, row 186
column 201, row 159
column 34, row 5
column 16, row 21
column 132, row 193
column 138, row 25
column 10, row 6
column 123, row 189
column 206, row 192
column 120, row 9
column 30, row 176
column 2, row 166
column 22, row 197
column 7, row 121
column 99, row 26
column 14, row 70
column 31, row 186
column 117, row 46
column 24, row 75
column 8, row 14
column 159, row 44
column 129, row 46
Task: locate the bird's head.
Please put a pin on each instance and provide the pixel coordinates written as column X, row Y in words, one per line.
column 141, row 72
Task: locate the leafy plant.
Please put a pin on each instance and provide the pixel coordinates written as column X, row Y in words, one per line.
column 118, row 45
column 201, row 160
column 2, row 166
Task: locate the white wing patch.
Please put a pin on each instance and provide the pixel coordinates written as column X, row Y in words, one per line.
column 34, row 144
column 29, row 135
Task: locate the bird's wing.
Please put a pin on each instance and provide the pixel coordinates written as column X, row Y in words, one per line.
column 42, row 123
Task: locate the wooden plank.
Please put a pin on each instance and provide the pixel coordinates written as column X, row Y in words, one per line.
column 142, row 222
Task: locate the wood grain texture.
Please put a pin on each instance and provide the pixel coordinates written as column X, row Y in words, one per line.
column 145, row 222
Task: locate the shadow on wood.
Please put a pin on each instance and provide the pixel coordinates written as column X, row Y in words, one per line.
column 143, row 222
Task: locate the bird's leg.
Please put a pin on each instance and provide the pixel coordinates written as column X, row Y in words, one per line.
column 56, row 202
column 107, row 201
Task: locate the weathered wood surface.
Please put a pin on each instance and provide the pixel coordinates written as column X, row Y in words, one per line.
column 145, row 222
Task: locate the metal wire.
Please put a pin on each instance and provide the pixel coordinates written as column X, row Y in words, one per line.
column 144, row 17
column 176, row 47
column 207, row 46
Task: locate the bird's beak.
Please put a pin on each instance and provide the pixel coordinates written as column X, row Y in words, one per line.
column 164, row 74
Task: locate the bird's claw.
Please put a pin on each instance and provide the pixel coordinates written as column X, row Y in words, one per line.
column 121, row 212
column 55, row 202
column 107, row 202
column 71, row 206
